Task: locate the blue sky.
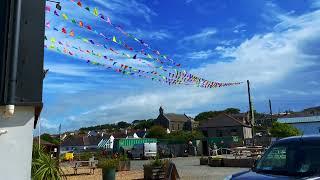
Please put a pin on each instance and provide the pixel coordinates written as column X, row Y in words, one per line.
column 274, row 44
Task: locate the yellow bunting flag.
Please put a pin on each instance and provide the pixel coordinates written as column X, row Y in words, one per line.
column 53, row 40
column 95, row 12
column 65, row 16
column 114, row 39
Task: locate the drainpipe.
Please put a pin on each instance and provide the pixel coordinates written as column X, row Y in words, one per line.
column 13, row 59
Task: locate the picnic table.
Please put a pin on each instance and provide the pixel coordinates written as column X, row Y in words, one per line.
column 252, row 151
column 91, row 164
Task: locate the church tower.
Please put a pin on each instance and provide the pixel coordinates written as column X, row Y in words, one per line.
column 161, row 110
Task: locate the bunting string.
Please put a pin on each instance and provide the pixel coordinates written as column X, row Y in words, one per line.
column 117, row 67
column 124, row 69
column 176, row 77
column 112, row 39
column 95, row 13
column 182, row 76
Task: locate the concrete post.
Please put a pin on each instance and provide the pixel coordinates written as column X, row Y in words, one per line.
column 16, row 144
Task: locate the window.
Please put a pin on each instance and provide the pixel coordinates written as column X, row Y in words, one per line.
column 172, row 126
column 233, row 132
column 178, row 126
column 219, row 133
column 275, row 159
column 291, row 160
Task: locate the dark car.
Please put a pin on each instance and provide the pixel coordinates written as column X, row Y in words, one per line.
column 288, row 158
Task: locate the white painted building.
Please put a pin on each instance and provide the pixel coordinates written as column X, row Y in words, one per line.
column 16, row 141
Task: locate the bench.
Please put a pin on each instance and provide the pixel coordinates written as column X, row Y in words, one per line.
column 91, row 164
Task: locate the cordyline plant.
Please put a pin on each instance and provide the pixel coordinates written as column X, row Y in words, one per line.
column 43, row 166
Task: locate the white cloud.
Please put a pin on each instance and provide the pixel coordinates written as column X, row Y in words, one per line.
column 128, row 7
column 270, row 57
column 69, row 69
column 205, row 34
column 154, row 35
column 200, row 54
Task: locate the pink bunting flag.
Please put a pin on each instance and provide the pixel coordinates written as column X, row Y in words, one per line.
column 48, row 24
column 48, row 8
column 108, row 20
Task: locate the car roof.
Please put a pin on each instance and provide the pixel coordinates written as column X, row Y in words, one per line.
column 297, row 139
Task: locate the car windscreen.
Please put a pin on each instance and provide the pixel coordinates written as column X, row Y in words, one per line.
column 291, row 160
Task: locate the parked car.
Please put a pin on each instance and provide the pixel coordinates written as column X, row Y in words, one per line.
column 144, row 151
column 288, row 158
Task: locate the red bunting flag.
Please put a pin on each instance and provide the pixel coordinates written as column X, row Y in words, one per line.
column 89, row 27
column 64, row 31
column 79, row 4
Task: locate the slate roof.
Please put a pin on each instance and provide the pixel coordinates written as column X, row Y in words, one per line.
column 81, row 141
column 222, row 120
column 177, row 117
column 293, row 120
column 43, row 142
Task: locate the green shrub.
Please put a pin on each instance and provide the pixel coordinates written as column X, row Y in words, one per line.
column 108, row 163
column 43, row 166
column 123, row 157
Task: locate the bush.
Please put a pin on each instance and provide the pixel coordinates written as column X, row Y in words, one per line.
column 108, row 163
column 283, row 130
column 157, row 132
column 43, row 167
column 123, row 158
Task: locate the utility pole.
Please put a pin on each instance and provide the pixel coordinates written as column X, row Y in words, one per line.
column 251, row 110
column 39, row 135
column 270, row 108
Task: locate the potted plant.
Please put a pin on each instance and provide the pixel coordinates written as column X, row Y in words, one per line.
column 155, row 169
column 108, row 167
column 215, row 161
column 203, row 160
column 124, row 163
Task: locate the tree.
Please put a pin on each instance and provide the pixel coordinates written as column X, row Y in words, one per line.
column 157, row 132
column 283, row 130
column 210, row 114
column 185, row 135
column 232, row 111
column 48, row 138
column 144, row 124
column 123, row 124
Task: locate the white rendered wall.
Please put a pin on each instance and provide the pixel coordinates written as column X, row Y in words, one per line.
column 16, row 144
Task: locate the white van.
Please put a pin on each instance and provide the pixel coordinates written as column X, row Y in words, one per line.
column 145, row 150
